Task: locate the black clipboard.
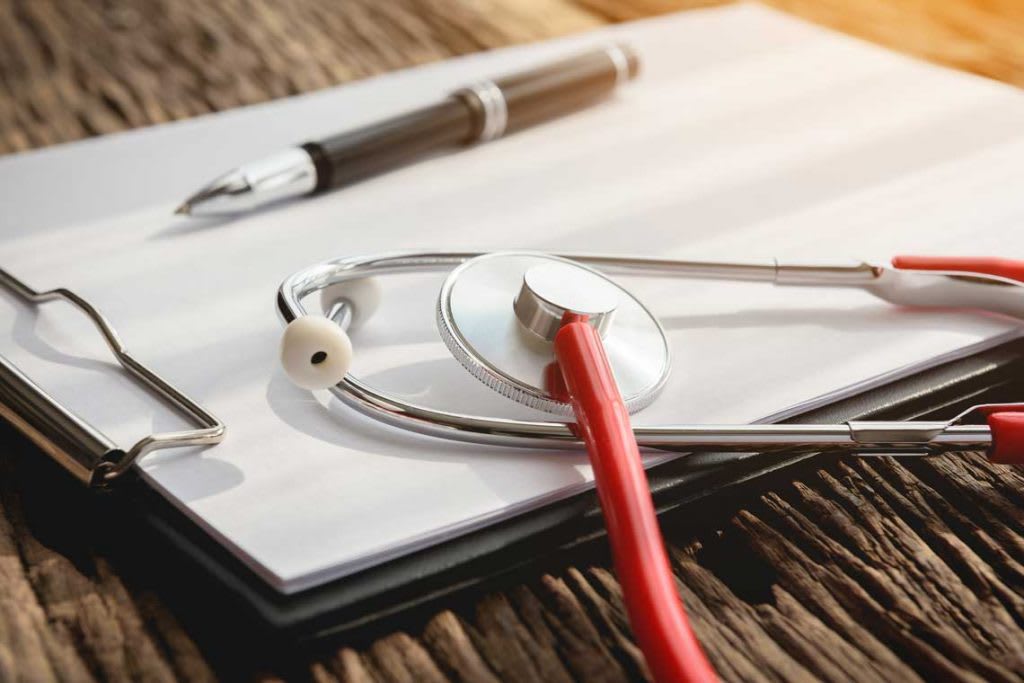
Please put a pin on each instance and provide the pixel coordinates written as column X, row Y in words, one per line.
column 213, row 591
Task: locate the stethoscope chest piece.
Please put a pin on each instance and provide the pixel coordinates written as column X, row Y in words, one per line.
column 498, row 313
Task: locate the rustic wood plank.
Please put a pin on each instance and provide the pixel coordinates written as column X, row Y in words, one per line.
column 514, row 652
column 399, row 658
column 451, row 646
column 866, row 570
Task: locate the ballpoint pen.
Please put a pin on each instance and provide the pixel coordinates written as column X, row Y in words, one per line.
column 477, row 113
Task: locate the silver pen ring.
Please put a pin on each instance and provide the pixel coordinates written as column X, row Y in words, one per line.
column 494, row 108
column 620, row 61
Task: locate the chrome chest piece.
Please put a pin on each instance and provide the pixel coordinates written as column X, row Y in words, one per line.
column 497, row 312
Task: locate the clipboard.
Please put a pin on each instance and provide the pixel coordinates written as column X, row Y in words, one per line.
column 214, row 592
column 207, row 321
column 138, row 526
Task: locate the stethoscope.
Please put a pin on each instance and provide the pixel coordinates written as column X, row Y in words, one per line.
column 558, row 334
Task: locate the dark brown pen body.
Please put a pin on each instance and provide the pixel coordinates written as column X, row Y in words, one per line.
column 528, row 98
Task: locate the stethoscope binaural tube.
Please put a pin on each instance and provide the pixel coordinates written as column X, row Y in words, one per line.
column 947, row 282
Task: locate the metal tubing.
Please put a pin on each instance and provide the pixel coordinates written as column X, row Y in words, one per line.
column 908, row 438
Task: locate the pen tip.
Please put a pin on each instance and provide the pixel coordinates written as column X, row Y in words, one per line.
column 184, row 210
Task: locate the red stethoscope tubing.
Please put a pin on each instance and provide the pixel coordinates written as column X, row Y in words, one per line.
column 656, row 614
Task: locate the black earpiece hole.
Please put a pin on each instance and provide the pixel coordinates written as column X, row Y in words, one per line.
column 318, row 358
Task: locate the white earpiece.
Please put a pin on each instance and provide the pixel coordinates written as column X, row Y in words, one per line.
column 315, row 352
column 362, row 295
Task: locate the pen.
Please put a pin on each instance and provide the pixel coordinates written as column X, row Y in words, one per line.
column 477, row 113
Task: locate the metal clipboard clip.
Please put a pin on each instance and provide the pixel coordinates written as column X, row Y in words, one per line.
column 81, row 449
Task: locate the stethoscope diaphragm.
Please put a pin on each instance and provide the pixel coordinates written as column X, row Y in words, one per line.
column 494, row 312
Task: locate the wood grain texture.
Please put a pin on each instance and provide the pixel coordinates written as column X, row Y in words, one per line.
column 854, row 570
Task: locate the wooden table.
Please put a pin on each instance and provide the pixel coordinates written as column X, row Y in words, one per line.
column 850, row 569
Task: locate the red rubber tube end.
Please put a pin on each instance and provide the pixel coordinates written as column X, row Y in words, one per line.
column 986, row 265
column 1007, row 438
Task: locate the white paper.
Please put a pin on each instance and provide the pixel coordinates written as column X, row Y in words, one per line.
column 750, row 134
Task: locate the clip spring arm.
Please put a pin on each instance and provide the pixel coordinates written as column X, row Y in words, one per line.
column 77, row 446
